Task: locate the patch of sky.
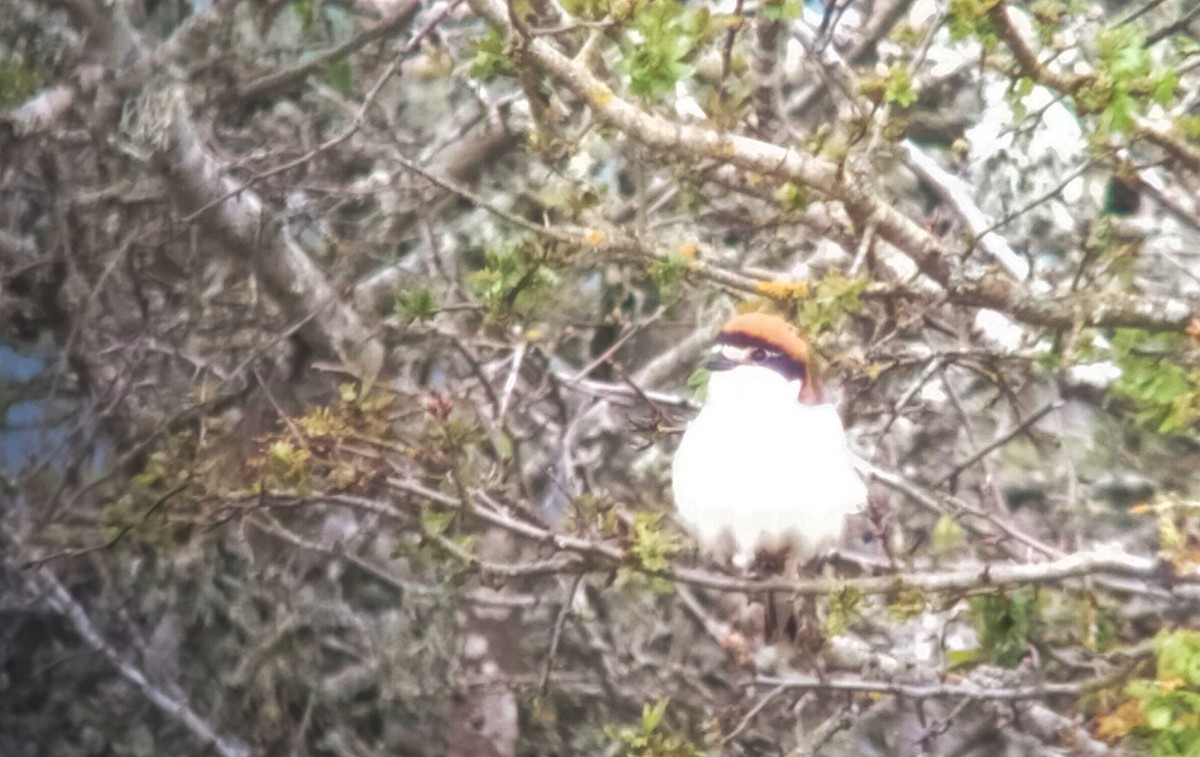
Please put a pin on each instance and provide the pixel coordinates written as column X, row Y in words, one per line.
column 18, row 367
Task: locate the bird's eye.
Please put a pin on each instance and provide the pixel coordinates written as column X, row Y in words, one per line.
column 758, row 355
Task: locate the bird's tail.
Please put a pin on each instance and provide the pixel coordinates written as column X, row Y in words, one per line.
column 793, row 622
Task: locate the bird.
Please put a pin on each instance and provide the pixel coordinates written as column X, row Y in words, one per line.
column 763, row 474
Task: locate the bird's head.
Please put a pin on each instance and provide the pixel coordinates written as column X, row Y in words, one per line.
column 762, row 352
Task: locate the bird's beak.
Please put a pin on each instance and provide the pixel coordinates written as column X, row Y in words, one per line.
column 720, row 363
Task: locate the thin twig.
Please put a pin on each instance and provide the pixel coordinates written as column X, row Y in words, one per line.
column 563, row 613
column 1000, row 440
column 337, row 139
column 748, row 718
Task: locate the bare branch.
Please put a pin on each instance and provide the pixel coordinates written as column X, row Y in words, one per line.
column 55, row 595
column 965, row 577
column 955, row 193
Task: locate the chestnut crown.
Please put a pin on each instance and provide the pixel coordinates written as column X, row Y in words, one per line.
column 768, row 341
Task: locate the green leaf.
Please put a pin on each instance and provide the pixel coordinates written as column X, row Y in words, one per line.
column 306, row 13
column 697, row 382
column 792, row 196
column 666, row 272
column 1162, row 92
column 657, row 51
column 514, row 279
column 968, row 18
column 831, row 298
column 948, row 535
column 898, row 88
column 1164, row 390
column 1122, row 51
column 1127, row 80
column 780, row 10
column 908, row 603
column 491, row 57
column 1006, row 622
column 1118, row 114
column 18, row 82
column 842, row 609
column 651, row 739
column 1158, row 718
column 652, row 546
column 341, row 76
column 436, row 522
column 592, row 10
column 652, row 715
column 416, row 304
column 960, row 658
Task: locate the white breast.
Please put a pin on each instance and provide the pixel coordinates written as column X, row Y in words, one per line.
column 760, row 465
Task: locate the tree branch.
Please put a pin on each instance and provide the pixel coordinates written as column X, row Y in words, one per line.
column 965, row 577
column 56, row 596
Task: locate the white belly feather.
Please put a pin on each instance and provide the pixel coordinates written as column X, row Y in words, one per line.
column 766, row 469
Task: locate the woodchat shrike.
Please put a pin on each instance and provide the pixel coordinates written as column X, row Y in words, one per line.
column 764, row 467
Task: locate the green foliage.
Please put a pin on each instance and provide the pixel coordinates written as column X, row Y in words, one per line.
column 667, row 271
column 1048, row 16
column 906, row 604
column 164, row 469
column 322, row 422
column 1005, row 621
column 17, row 83
column 341, row 76
column 792, row 196
column 658, row 54
column 1188, row 126
column 780, row 10
column 1164, row 711
column 451, row 445
column 288, row 466
column 1164, row 391
column 416, row 304
column 652, row 546
column 898, row 86
column 697, row 382
column 592, row 10
column 831, row 298
column 491, row 57
column 435, row 522
column 906, row 35
column 442, row 542
column 844, row 607
column 650, row 551
column 968, row 18
column 647, row 740
column 947, row 536
column 1016, row 95
column 306, row 14
column 1127, row 79
column 133, row 518
column 514, row 279
column 140, row 513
